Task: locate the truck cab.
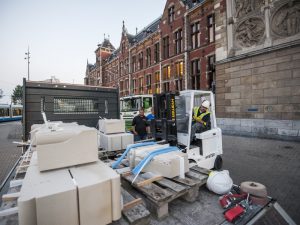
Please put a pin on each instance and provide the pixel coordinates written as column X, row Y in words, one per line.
column 130, row 105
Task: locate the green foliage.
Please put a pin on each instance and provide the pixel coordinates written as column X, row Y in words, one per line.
column 17, row 95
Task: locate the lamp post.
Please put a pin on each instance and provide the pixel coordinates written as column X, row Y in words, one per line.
column 28, row 61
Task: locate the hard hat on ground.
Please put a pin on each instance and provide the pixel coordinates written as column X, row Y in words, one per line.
column 205, row 104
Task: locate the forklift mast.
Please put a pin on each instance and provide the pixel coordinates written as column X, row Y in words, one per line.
column 163, row 126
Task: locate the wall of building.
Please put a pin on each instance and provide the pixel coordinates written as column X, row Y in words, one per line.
column 258, row 72
column 186, row 13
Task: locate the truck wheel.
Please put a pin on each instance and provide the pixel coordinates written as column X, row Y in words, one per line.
column 218, row 163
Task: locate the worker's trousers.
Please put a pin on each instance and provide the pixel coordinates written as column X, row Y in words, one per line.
column 196, row 128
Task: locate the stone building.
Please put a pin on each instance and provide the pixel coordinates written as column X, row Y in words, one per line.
column 258, row 68
column 175, row 52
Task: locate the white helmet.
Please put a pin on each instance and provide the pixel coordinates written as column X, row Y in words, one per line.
column 205, row 104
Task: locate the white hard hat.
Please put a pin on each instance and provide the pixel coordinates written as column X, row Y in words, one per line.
column 205, row 104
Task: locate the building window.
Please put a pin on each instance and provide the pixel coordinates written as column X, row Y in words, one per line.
column 133, row 64
column 195, row 74
column 157, row 82
column 178, row 41
column 126, row 66
column 211, row 73
column 141, row 85
column 171, row 14
column 166, row 47
column 156, row 53
column 75, row 106
column 166, row 86
column 179, row 69
column 126, row 84
column 211, row 28
column 179, row 84
column 148, row 84
column 195, row 35
column 148, row 57
column 121, row 87
column 134, row 86
column 166, row 73
column 141, row 59
column 121, row 68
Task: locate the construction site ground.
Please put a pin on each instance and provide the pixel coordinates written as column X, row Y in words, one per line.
column 274, row 163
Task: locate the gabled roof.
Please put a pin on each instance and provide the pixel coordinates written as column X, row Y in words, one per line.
column 106, row 44
column 148, row 30
column 113, row 55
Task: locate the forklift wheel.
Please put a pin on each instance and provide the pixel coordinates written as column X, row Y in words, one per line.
column 218, row 163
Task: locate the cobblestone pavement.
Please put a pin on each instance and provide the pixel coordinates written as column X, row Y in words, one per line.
column 9, row 152
column 273, row 163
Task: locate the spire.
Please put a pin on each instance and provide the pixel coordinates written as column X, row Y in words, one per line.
column 124, row 28
column 87, row 61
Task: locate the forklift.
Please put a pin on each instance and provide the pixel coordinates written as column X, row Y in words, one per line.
column 173, row 124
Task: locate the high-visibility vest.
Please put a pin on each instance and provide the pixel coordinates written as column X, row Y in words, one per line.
column 200, row 117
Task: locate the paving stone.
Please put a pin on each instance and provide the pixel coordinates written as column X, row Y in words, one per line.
column 9, row 152
column 274, row 163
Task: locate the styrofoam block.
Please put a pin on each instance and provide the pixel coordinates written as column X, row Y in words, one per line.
column 127, row 139
column 111, row 126
column 167, row 165
column 111, row 142
column 66, row 146
column 99, row 193
column 48, row 198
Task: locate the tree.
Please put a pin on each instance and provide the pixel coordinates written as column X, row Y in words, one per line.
column 17, row 95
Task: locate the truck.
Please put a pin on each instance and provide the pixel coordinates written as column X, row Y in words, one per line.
column 130, row 105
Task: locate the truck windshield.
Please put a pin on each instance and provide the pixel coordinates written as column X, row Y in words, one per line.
column 130, row 104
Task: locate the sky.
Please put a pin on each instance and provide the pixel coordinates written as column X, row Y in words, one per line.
column 62, row 35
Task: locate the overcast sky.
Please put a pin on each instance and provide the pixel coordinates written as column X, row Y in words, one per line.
column 62, row 35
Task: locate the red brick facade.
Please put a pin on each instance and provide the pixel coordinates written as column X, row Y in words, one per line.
column 175, row 52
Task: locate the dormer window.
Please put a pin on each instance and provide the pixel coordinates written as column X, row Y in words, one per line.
column 171, row 14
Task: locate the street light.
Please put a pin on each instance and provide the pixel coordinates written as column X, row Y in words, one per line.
column 28, row 61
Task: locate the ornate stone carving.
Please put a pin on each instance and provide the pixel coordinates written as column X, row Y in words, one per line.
column 257, row 4
column 250, row 32
column 244, row 7
column 286, row 20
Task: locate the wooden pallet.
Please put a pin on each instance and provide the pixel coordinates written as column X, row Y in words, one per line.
column 158, row 193
column 134, row 210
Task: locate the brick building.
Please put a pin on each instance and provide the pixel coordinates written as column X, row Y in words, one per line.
column 175, row 52
column 258, row 68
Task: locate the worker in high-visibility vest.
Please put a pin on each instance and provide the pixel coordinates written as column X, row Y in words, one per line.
column 201, row 119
